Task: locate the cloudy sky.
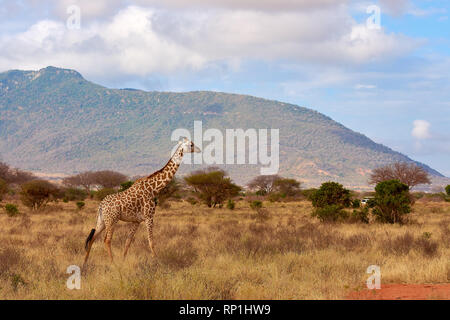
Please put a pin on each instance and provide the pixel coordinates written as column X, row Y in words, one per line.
column 386, row 77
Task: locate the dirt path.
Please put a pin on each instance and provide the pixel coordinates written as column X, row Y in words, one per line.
column 404, row 292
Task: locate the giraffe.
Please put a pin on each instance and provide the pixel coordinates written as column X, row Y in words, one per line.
column 136, row 204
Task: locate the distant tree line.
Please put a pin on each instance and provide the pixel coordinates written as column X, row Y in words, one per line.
column 213, row 187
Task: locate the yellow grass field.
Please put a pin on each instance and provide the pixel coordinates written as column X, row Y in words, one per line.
column 205, row 253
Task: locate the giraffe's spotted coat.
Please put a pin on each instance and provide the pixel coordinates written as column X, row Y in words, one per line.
column 136, row 204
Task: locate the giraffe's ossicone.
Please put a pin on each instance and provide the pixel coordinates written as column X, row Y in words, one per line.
column 136, row 204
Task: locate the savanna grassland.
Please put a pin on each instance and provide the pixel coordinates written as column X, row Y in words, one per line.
column 205, row 253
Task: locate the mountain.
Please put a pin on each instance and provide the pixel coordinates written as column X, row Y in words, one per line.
column 54, row 120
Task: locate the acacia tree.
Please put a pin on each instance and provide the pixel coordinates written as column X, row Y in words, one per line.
column 37, row 193
column 13, row 175
column 212, row 186
column 264, row 183
column 409, row 174
column 83, row 179
column 108, row 178
column 288, row 187
column 89, row 179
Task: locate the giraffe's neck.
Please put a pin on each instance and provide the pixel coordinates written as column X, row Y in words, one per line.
column 158, row 181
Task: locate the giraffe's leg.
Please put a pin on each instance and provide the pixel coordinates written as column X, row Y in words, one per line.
column 98, row 230
column 149, row 225
column 133, row 228
column 108, row 238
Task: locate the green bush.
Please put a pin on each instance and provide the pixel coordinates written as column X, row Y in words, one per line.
column 74, row 194
column 230, row 204
column 330, row 213
column 261, row 192
column 447, row 190
column 255, row 205
column 102, row 193
column 80, row 205
column 361, row 215
column 329, row 201
column 125, row 185
column 331, row 193
column 35, row 194
column 11, row 210
column 392, row 201
column 356, row 203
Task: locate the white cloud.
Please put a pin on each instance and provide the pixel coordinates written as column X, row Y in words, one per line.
column 141, row 41
column 365, row 86
column 421, row 129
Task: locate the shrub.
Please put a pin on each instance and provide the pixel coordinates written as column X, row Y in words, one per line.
column 230, row 204
column 308, row 193
column 356, row 203
column 102, row 193
column 287, row 187
column 35, row 194
column 329, row 200
column 426, row 246
column 255, row 205
column 80, row 205
column 400, row 245
column 392, row 201
column 192, row 200
column 74, row 194
column 447, row 190
column 212, row 186
column 331, row 193
column 169, row 191
column 3, row 188
column 330, row 213
column 361, row 215
column 125, row 185
column 275, row 197
column 11, row 210
column 261, row 192
column 178, row 255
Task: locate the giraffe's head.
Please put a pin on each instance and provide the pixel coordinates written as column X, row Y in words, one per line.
column 188, row 146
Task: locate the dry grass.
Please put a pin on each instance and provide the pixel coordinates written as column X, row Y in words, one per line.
column 208, row 253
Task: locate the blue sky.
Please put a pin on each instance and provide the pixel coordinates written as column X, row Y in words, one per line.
column 390, row 83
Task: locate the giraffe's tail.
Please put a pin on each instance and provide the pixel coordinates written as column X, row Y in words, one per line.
column 89, row 238
column 99, row 227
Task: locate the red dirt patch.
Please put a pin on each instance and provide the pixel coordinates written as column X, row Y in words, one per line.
column 404, row 292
